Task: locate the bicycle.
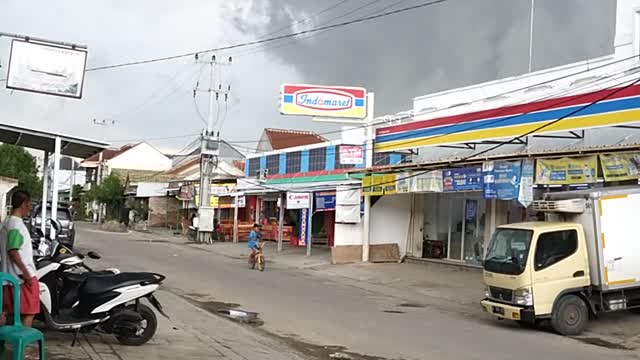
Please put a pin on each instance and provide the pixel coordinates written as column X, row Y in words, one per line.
column 258, row 259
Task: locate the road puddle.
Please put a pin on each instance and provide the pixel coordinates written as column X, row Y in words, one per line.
column 603, row 343
column 233, row 313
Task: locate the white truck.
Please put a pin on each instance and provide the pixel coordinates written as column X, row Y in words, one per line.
column 584, row 259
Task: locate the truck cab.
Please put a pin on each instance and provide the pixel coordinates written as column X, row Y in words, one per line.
column 582, row 260
column 530, row 266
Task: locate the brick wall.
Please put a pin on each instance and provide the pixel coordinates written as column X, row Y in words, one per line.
column 163, row 210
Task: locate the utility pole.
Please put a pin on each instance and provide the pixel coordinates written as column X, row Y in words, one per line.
column 210, row 148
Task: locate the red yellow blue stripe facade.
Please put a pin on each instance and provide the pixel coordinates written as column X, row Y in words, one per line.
column 621, row 106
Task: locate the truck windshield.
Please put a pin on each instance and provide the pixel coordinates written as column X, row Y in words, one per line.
column 508, row 251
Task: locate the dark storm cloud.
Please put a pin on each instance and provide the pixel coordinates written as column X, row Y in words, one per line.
column 457, row 43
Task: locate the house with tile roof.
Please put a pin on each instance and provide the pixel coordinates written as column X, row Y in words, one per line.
column 278, row 139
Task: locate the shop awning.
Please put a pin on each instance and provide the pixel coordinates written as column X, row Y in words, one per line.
column 45, row 141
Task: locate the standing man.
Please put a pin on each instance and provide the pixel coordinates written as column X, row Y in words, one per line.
column 17, row 259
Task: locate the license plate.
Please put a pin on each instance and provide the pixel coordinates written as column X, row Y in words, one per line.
column 497, row 310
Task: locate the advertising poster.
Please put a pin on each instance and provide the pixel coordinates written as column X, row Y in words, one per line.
column 501, row 179
column 389, row 184
column 403, row 183
column 620, row 167
column 428, row 182
column 525, row 196
column 563, row 171
column 373, row 185
column 325, row 201
column 462, row 179
column 351, row 154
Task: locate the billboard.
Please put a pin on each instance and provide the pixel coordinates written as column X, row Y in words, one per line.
column 323, row 101
column 620, row 167
column 46, row 69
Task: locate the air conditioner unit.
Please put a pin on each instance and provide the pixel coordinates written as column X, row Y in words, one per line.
column 262, row 174
column 573, row 206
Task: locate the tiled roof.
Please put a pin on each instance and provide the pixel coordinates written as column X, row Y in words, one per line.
column 110, row 153
column 282, row 138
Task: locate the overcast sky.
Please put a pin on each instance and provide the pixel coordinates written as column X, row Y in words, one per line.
column 456, row 43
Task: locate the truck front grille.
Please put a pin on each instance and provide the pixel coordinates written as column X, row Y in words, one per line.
column 501, row 294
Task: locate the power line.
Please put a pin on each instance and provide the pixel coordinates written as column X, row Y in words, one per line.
column 270, row 39
column 152, row 139
column 545, row 82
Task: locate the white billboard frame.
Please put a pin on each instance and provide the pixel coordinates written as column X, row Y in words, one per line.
column 13, row 84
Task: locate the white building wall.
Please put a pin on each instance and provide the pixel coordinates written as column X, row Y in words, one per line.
column 141, row 157
column 347, row 234
column 390, row 221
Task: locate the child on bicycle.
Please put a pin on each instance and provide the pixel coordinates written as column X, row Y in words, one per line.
column 254, row 242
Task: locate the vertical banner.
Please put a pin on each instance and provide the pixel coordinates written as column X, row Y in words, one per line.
column 525, row 195
column 563, row 171
column 620, row 167
column 501, row 179
column 304, row 230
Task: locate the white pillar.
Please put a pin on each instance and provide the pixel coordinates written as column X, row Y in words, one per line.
column 56, row 180
column 369, row 163
column 281, row 221
column 45, row 192
column 235, row 220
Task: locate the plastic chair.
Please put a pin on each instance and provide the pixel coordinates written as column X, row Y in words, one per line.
column 16, row 334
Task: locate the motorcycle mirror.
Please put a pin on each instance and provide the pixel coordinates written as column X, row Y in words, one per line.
column 94, row 255
column 55, row 224
column 39, row 233
column 81, row 256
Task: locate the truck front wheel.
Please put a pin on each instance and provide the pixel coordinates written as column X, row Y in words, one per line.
column 570, row 315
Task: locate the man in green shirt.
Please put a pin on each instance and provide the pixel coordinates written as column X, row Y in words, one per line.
column 17, row 258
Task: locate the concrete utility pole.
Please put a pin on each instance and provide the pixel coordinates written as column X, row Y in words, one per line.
column 369, row 164
column 210, row 148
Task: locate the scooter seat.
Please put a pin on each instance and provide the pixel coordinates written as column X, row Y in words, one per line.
column 103, row 284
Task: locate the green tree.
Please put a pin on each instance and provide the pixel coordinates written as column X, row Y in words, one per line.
column 110, row 193
column 17, row 163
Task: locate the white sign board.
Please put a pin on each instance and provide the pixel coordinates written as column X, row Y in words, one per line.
column 242, row 201
column 351, row 155
column 298, row 200
column 46, row 69
column 205, row 221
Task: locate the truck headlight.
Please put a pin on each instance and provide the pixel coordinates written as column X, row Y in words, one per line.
column 523, row 296
column 487, row 292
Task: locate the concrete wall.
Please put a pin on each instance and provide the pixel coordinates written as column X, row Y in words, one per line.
column 390, row 220
column 163, row 210
column 347, row 247
column 141, row 157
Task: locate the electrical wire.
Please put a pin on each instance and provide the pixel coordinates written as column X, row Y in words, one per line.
column 545, row 82
column 269, row 39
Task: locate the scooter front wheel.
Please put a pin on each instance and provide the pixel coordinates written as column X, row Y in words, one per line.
column 148, row 327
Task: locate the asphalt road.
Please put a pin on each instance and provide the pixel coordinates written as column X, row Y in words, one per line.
column 308, row 312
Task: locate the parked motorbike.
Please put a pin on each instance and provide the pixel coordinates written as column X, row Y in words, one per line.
column 75, row 298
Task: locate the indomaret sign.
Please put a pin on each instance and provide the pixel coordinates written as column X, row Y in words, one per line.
column 323, row 101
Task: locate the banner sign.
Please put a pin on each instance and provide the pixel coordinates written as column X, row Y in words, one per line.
column 373, row 185
column 462, row 179
column 325, row 201
column 46, row 69
column 525, row 195
column 429, row 182
column 389, row 184
column 298, row 200
column 620, row 167
column 323, row 101
column 501, row 179
column 351, row 155
column 563, row 171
